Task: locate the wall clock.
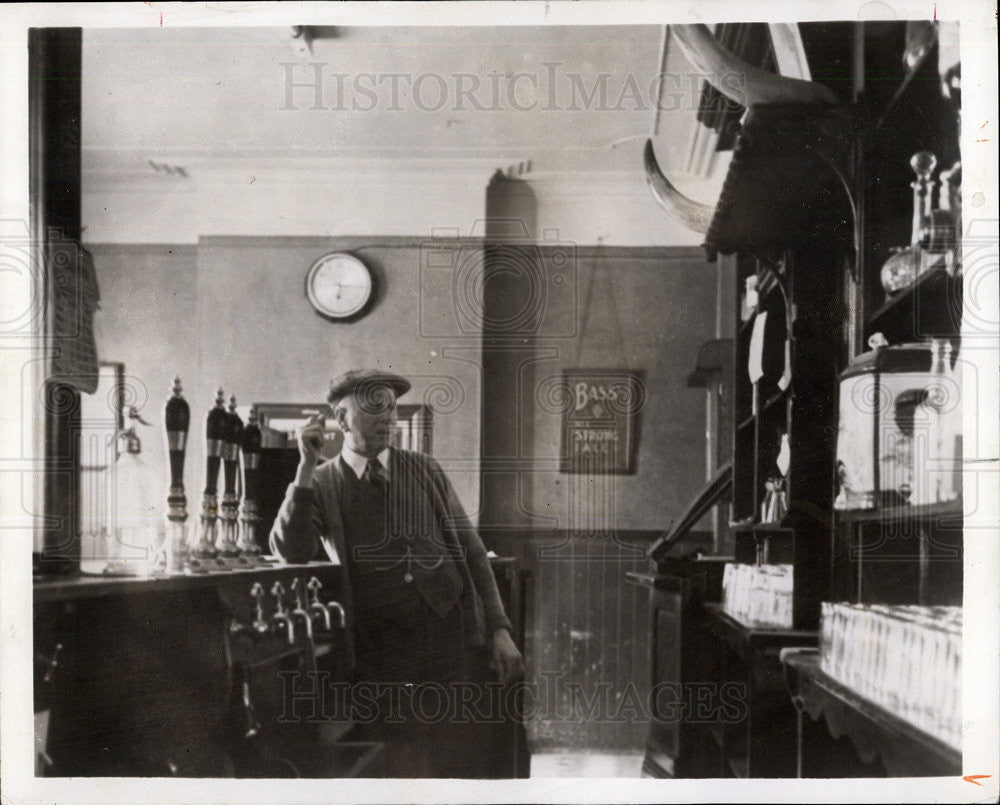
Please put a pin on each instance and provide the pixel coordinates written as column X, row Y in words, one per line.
column 339, row 286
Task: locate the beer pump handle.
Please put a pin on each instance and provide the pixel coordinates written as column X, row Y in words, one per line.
column 177, row 418
column 231, row 447
column 216, row 426
column 251, row 443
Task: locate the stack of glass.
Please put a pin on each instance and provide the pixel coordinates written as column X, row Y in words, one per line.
column 758, row 595
column 907, row 659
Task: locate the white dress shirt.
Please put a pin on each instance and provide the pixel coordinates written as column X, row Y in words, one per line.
column 358, row 462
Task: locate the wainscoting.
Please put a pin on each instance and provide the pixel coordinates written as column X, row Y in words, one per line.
column 586, row 637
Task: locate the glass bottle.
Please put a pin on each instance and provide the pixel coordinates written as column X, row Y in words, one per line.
column 901, row 270
column 138, row 533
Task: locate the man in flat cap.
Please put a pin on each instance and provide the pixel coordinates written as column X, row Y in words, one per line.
column 423, row 603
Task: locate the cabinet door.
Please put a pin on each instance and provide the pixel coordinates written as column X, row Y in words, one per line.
column 143, row 688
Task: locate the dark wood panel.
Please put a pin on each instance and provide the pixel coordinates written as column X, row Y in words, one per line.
column 54, row 57
column 667, row 666
column 880, row 739
column 688, row 705
column 587, row 633
column 149, row 679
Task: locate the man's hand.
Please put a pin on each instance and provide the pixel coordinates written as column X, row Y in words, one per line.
column 506, row 658
column 310, row 448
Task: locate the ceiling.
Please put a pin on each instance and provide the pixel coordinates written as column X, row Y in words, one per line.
column 461, row 93
column 193, row 131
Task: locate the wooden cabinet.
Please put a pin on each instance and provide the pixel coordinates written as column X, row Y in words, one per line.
column 685, row 699
column 171, row 677
column 790, row 408
column 760, row 739
column 899, row 552
column 816, row 199
column 785, row 218
column 845, row 735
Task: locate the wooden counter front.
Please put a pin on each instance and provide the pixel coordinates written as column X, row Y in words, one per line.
column 148, row 678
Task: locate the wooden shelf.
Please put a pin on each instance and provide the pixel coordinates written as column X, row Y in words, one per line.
column 765, row 543
column 658, row 581
column 768, row 404
column 773, row 400
column 811, row 187
column 951, row 508
column 742, row 637
column 905, row 750
column 761, row 528
column 76, row 587
column 932, row 306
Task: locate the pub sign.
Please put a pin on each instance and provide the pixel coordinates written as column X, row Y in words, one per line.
column 600, row 418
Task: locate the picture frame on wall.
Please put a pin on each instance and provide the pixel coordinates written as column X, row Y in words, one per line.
column 600, row 421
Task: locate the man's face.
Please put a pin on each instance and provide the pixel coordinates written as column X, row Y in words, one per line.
column 366, row 417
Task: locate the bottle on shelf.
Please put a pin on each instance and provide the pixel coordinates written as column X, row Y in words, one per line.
column 932, row 231
column 136, row 540
column 938, row 229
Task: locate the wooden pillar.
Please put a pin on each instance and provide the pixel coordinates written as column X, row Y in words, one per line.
column 54, row 111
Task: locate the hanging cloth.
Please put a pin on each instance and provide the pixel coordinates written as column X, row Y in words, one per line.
column 74, row 300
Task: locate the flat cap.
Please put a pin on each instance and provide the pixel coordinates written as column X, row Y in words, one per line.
column 367, row 382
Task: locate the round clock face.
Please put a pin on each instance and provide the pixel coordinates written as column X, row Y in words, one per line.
column 339, row 285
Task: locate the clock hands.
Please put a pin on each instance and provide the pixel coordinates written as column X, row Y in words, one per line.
column 339, row 286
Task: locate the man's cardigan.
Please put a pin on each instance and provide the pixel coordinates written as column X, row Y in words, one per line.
column 310, row 517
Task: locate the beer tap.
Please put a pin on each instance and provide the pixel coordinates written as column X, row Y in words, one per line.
column 300, row 611
column 177, row 418
column 280, row 616
column 249, row 519
column 314, row 586
column 341, row 615
column 260, row 624
column 228, row 551
column 205, row 555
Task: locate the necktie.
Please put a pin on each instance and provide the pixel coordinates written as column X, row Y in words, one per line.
column 375, row 474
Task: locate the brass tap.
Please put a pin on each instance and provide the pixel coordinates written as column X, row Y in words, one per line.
column 300, row 610
column 260, row 624
column 315, row 606
column 314, row 586
column 280, row 616
column 341, row 615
